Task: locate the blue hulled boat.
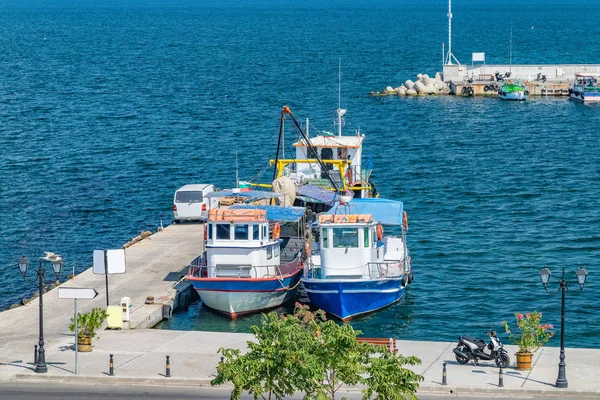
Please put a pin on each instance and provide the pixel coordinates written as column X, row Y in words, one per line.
column 355, row 268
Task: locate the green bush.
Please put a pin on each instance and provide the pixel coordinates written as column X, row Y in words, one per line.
column 88, row 323
column 307, row 353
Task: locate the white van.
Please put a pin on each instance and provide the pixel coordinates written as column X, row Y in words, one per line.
column 191, row 204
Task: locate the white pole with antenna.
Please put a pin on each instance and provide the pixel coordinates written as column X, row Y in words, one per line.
column 340, row 112
column 510, row 51
column 449, row 55
column 237, row 179
column 283, row 138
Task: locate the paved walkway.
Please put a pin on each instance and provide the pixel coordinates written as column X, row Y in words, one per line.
column 152, row 269
column 140, row 355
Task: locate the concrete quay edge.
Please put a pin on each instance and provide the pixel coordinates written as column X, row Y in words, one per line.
column 161, row 380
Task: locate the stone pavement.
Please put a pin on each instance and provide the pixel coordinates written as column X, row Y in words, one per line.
column 152, row 269
column 140, row 355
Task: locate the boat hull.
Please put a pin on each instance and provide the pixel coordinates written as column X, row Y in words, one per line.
column 239, row 296
column 515, row 96
column 347, row 299
column 589, row 97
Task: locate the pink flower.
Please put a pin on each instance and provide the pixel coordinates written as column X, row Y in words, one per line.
column 519, row 316
column 550, row 326
column 528, row 315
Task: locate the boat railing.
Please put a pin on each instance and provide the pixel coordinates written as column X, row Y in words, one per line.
column 376, row 270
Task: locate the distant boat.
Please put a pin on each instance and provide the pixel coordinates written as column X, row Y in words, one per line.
column 586, row 88
column 357, row 270
column 248, row 265
column 513, row 89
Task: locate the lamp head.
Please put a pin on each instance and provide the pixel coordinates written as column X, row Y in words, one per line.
column 581, row 277
column 545, row 276
column 57, row 265
column 23, row 266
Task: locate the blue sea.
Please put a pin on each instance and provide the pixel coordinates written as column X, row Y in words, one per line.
column 107, row 107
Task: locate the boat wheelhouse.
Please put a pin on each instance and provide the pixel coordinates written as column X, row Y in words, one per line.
column 586, row 88
column 244, row 268
column 513, row 89
column 356, row 270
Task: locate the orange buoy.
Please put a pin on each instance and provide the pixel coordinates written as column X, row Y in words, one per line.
column 404, row 220
column 379, row 232
column 276, row 231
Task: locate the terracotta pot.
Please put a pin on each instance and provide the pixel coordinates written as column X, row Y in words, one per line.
column 84, row 343
column 524, row 360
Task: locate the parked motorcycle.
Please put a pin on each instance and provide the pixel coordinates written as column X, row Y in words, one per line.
column 470, row 348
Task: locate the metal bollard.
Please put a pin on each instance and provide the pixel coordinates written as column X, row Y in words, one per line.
column 444, row 381
column 111, row 370
column 500, row 378
column 222, row 359
column 168, row 370
column 35, row 355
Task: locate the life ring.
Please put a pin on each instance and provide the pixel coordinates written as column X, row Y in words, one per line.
column 276, row 230
column 404, row 220
column 379, row 232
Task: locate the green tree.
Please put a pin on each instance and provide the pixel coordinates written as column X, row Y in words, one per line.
column 307, row 353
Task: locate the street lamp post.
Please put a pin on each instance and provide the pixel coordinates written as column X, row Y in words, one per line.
column 57, row 264
column 561, row 381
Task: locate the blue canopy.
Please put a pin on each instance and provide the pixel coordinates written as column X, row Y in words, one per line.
column 251, row 194
column 315, row 194
column 276, row 213
column 385, row 211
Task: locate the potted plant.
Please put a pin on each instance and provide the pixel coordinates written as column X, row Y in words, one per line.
column 87, row 325
column 533, row 335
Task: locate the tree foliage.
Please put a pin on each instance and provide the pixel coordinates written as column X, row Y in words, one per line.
column 307, row 353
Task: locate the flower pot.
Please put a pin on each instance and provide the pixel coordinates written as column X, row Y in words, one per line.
column 84, row 343
column 524, row 360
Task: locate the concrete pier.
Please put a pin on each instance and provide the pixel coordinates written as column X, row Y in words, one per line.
column 154, row 266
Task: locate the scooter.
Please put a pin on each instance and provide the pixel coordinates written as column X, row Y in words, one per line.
column 470, row 348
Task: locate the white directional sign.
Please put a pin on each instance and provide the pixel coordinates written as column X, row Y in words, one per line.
column 109, row 261
column 76, row 293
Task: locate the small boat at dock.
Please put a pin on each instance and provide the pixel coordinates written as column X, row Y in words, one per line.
column 355, row 268
column 586, row 88
column 249, row 265
column 513, row 89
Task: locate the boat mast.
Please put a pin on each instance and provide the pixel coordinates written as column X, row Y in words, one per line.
column 237, row 176
column 340, row 112
column 510, row 51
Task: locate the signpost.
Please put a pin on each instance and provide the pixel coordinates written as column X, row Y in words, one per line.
column 109, row 262
column 76, row 293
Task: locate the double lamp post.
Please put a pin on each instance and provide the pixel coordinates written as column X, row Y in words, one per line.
column 57, row 264
column 561, row 381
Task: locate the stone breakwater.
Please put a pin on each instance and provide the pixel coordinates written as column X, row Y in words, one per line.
column 424, row 85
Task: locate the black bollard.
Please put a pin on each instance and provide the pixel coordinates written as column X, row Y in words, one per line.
column 168, row 370
column 35, row 355
column 444, row 381
column 111, row 370
column 500, row 378
column 222, row 359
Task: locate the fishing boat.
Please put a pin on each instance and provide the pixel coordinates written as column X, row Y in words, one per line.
column 322, row 166
column 513, row 89
column 249, row 265
column 355, row 269
column 586, row 88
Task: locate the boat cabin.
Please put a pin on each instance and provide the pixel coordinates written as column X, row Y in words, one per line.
column 240, row 243
column 350, row 246
column 586, row 80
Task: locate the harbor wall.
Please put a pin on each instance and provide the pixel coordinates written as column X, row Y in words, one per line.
column 564, row 72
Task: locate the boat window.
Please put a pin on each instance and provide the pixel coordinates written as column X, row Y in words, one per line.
column 276, row 250
column 269, row 252
column 209, row 233
column 240, row 232
column 256, row 232
column 223, row 231
column 366, row 237
column 373, row 235
column 264, row 236
column 345, row 237
column 324, row 234
column 188, row 196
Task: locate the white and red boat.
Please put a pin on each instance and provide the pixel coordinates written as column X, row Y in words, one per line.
column 248, row 266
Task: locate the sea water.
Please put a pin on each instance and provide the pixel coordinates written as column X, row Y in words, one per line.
column 107, row 107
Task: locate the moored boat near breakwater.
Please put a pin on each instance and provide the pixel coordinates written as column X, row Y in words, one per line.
column 247, row 266
column 356, row 269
